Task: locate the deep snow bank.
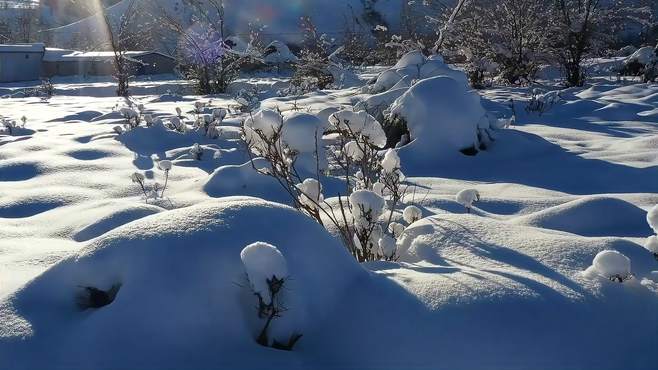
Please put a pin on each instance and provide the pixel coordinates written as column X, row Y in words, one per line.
column 183, row 290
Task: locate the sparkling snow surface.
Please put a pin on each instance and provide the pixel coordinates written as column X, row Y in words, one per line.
column 501, row 287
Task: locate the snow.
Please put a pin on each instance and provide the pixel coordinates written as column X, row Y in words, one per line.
column 652, row 218
column 391, row 161
column 22, row 48
column 609, row 264
column 652, row 244
column 413, row 66
column 366, row 204
column 266, row 121
column 561, row 187
column 311, row 193
column 359, row 123
column 263, row 263
column 643, row 55
column 280, row 54
column 412, row 214
column 165, row 165
column 442, row 116
column 302, row 133
column 467, row 197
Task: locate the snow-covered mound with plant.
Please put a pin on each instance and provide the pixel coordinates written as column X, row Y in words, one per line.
column 181, row 271
column 442, row 116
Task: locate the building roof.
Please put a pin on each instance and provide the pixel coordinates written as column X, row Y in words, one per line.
column 22, row 48
column 63, row 55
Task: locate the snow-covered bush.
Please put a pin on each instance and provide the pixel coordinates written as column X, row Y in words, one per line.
column 504, row 38
column 267, row 272
column 8, row 124
column 131, row 116
column 643, row 62
column 467, row 197
column 296, row 155
column 367, row 207
column 153, row 191
column 610, row 265
column 412, row 214
column 541, row 102
column 208, row 124
column 411, row 67
column 441, row 114
column 46, row 89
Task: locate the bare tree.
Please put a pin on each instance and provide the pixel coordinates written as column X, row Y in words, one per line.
column 505, row 36
column 574, row 23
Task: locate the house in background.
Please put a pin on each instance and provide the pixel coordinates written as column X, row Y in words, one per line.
column 60, row 62
column 21, row 62
column 30, row 62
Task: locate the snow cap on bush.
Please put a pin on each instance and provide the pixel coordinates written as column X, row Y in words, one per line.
column 311, row 191
column 378, row 188
column 262, row 262
column 301, row 132
column 387, row 246
column 353, row 150
column 467, row 197
column 391, row 161
column 412, row 214
column 610, row 265
column 266, row 120
column 396, row 229
column 366, row 203
column 165, row 165
column 360, row 123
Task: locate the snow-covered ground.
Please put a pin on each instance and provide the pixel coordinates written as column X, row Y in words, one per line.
column 499, row 287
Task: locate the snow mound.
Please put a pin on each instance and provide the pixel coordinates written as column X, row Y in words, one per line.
column 591, row 216
column 442, row 116
column 490, row 279
column 643, row 56
column 181, row 272
column 113, row 216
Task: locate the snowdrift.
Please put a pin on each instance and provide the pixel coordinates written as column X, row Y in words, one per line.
column 182, row 289
column 592, row 216
column 515, row 293
column 518, row 295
